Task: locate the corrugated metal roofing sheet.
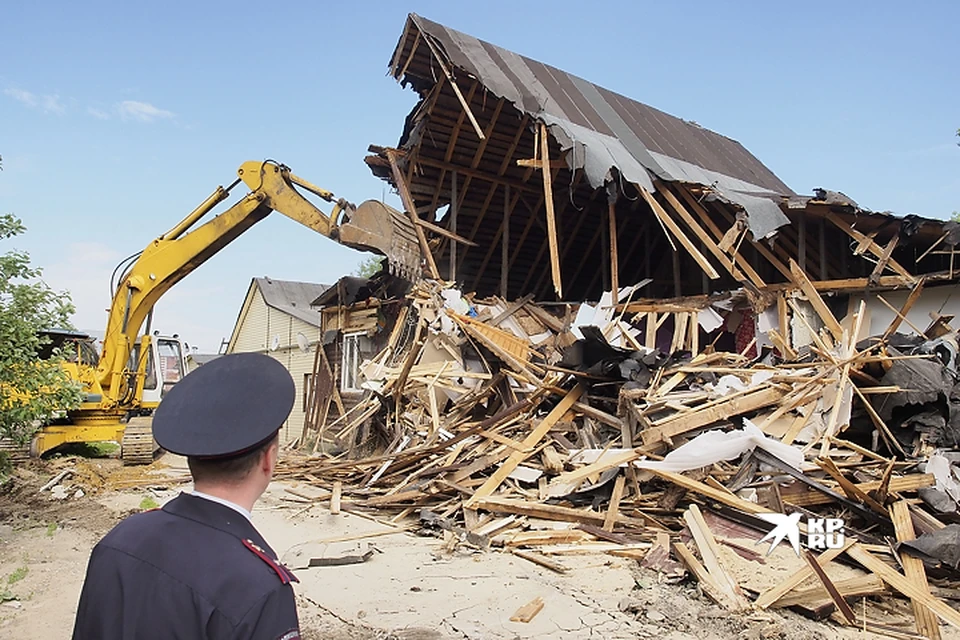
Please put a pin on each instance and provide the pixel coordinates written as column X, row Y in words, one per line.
column 603, row 129
column 293, row 298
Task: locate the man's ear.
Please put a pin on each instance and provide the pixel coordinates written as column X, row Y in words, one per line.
column 270, row 456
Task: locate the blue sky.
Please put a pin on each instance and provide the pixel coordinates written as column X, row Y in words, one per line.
column 118, row 118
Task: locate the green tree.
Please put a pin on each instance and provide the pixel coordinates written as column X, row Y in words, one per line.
column 369, row 266
column 32, row 391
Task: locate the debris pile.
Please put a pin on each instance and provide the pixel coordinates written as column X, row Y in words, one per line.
column 512, row 426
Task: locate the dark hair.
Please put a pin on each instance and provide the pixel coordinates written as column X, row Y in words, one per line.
column 228, row 470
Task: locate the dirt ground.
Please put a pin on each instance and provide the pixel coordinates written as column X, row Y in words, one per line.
column 411, row 588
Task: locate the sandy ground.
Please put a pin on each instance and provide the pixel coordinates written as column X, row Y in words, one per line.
column 411, row 588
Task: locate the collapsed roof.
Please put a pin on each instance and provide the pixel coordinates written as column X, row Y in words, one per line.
column 631, row 192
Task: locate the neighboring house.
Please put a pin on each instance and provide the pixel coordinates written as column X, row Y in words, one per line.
column 276, row 319
column 358, row 315
column 196, row 360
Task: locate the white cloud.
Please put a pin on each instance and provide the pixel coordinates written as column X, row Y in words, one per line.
column 48, row 103
column 100, row 114
column 22, row 96
column 142, row 111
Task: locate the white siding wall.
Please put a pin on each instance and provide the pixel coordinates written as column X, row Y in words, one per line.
column 254, row 325
column 258, row 327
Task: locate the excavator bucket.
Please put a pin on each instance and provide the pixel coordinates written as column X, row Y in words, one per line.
column 374, row 226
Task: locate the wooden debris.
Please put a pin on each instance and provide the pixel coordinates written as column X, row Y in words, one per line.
column 529, row 611
column 490, row 417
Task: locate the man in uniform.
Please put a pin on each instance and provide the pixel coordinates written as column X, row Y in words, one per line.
column 197, row 568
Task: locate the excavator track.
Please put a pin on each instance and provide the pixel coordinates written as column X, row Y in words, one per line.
column 14, row 452
column 138, row 444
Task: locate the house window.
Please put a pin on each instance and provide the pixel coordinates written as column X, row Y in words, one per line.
column 350, row 363
column 307, row 388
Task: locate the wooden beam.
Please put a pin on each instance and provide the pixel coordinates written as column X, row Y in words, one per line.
column 707, row 583
column 775, row 593
column 903, row 585
column 455, row 134
column 829, row 320
column 710, row 552
column 411, row 208
column 907, row 305
column 508, row 156
column 884, row 259
column 536, row 163
column 505, row 246
column 413, row 51
column 487, row 133
column 614, row 258
column 449, row 234
column 554, row 512
column 614, row 509
column 733, row 405
column 708, row 242
column 802, row 241
column 493, row 244
column 456, row 89
column 871, row 246
column 569, row 241
column 701, row 210
column 436, row 163
column 842, row 606
column 453, row 225
column 532, row 440
column 824, row 273
column 335, row 497
column 670, row 224
column 927, row 624
column 551, row 215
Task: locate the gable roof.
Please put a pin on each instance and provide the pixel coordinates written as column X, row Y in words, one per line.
column 293, row 298
column 603, row 129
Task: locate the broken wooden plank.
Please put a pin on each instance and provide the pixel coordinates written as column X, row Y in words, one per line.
column 905, row 309
column 529, row 611
column 335, row 497
column 710, row 244
column 903, row 584
column 871, row 246
column 776, row 592
column 678, row 233
column 842, row 606
column 614, row 509
column 494, row 481
column 411, row 207
column 540, row 559
column 884, row 259
column 551, row 214
column 813, row 296
column 710, row 552
column 708, row 584
column 927, row 624
column 558, row 513
column 714, row 412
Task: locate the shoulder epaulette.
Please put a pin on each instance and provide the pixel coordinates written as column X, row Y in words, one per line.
column 286, row 576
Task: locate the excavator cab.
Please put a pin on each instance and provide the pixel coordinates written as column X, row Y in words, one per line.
column 165, row 366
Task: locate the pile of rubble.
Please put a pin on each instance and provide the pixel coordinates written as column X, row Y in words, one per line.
column 508, row 425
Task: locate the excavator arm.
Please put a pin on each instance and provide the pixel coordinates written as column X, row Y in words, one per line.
column 171, row 257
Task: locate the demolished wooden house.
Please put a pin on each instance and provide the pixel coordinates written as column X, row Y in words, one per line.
column 632, row 192
column 631, row 329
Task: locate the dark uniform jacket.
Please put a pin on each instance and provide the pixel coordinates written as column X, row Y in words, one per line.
column 194, row 569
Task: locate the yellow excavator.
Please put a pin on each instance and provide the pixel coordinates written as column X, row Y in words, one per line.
column 114, row 406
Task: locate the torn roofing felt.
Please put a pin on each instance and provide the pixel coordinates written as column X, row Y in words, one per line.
column 602, row 130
